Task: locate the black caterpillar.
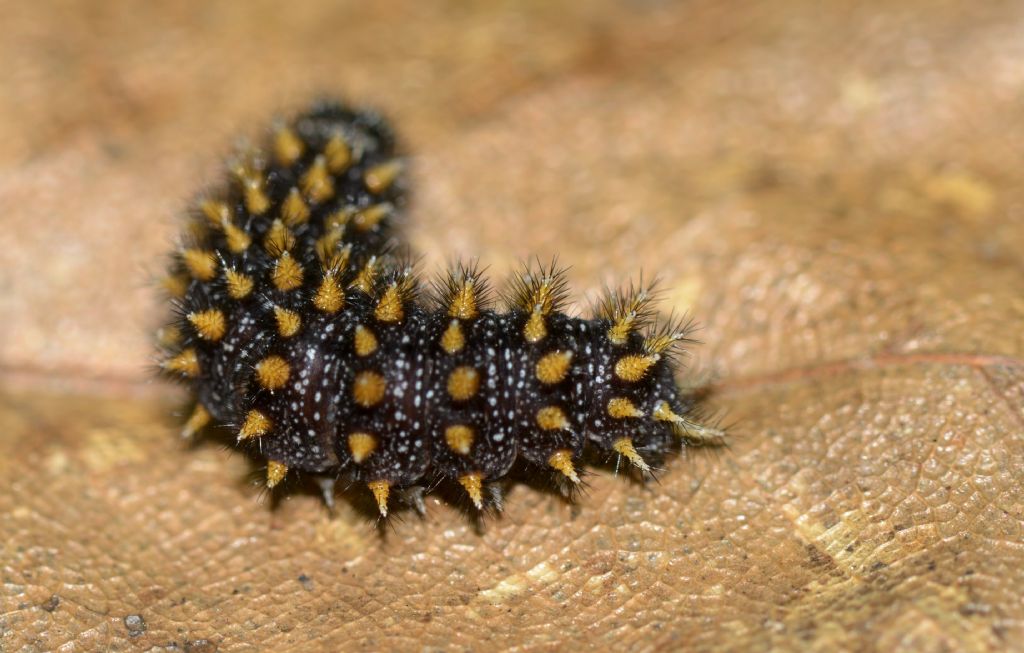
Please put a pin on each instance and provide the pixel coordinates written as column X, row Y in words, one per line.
column 297, row 327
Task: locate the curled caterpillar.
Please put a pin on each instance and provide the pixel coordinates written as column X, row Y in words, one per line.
column 296, row 327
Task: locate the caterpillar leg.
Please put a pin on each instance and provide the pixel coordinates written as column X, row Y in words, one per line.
column 327, row 484
column 413, row 496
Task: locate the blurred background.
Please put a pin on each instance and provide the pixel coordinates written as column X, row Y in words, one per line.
column 833, row 189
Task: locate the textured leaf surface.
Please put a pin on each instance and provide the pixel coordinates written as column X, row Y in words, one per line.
column 834, row 192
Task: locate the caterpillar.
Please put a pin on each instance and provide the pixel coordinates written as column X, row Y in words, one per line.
column 296, row 325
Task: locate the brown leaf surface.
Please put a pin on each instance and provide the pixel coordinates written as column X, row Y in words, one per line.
column 834, row 191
